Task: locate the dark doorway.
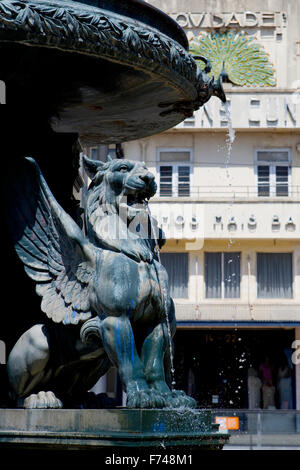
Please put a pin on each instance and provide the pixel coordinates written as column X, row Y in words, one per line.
column 213, row 365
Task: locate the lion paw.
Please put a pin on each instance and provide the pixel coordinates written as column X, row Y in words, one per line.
column 158, row 399
column 139, row 399
column 145, row 399
column 179, row 399
column 42, row 400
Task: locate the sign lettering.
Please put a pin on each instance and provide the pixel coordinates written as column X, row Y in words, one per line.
column 247, row 19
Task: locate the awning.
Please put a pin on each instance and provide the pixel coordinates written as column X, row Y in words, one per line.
column 260, row 313
column 237, row 324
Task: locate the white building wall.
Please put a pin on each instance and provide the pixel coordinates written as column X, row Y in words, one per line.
column 210, row 154
column 248, row 306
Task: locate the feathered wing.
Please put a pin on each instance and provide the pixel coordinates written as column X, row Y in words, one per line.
column 55, row 253
column 245, row 61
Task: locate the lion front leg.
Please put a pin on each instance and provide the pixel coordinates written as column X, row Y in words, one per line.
column 156, row 352
column 119, row 344
column 153, row 353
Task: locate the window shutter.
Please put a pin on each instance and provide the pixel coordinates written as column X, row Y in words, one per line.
column 213, row 275
column 177, row 268
column 166, row 181
column 274, row 276
column 183, row 181
column 232, row 275
column 282, row 181
column 263, row 174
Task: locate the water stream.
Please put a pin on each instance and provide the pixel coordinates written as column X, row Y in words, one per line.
column 230, row 138
column 164, row 295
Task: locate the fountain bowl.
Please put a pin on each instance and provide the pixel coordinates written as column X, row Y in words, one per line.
column 109, row 71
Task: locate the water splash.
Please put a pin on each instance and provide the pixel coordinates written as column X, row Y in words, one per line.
column 164, row 295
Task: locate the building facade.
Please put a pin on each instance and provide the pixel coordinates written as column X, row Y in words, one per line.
column 228, row 201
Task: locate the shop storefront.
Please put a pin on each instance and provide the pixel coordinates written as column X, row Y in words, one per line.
column 237, row 367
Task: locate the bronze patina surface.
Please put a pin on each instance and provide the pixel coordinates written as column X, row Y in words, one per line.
column 106, row 76
column 104, row 294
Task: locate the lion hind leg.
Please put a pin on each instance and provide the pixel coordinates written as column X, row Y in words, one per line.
column 27, row 369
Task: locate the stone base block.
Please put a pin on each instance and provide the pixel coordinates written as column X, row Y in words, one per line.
column 69, row 429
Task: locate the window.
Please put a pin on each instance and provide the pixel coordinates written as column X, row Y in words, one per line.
column 115, row 151
column 94, row 153
column 177, row 268
column 274, row 276
column 190, row 121
column 101, row 152
column 166, row 180
column 222, row 275
column 174, row 172
column 273, row 172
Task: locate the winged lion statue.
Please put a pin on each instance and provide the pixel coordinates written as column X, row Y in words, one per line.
column 103, row 290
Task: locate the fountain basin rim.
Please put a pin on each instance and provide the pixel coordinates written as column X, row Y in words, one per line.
column 144, row 42
column 121, row 44
column 144, row 12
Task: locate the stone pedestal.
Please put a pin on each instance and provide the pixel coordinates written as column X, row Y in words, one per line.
column 115, row 430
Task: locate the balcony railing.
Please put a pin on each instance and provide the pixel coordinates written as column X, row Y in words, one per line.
column 227, row 192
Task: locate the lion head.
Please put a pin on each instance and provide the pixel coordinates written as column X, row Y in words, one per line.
column 116, row 206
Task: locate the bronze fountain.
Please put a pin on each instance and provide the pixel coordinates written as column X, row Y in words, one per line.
column 80, row 74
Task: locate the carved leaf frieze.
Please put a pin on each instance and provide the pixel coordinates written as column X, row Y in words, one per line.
column 97, row 33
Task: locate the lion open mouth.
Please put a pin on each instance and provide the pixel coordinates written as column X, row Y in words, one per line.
column 134, row 204
column 135, row 199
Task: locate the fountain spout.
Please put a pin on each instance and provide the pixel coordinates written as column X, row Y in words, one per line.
column 208, row 87
column 218, row 89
